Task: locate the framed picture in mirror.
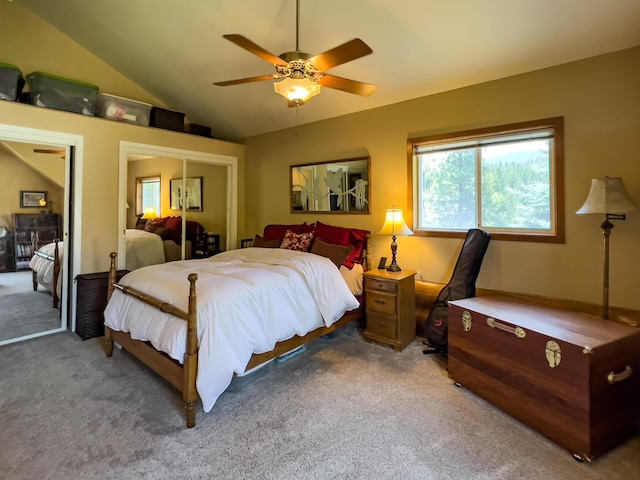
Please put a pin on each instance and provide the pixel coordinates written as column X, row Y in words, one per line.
column 187, row 195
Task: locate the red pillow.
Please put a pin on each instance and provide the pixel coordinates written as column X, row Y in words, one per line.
column 331, row 234
column 358, row 238
column 174, row 224
column 276, row 231
column 300, row 242
column 344, row 236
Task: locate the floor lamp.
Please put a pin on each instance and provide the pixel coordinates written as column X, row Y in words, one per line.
column 607, row 197
column 394, row 225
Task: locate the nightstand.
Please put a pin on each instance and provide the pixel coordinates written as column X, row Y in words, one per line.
column 206, row 245
column 390, row 307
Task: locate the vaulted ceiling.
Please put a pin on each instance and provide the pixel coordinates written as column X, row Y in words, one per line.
column 174, row 49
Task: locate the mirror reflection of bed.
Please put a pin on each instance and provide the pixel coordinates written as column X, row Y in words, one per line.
column 179, row 226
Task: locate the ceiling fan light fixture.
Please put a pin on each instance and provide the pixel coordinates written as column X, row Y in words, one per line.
column 297, row 90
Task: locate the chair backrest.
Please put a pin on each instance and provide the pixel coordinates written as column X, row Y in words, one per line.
column 463, row 279
column 461, row 285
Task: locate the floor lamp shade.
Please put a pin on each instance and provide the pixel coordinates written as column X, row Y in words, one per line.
column 394, row 225
column 610, row 198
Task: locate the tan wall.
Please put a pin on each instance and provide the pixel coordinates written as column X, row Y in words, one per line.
column 599, row 99
column 33, row 45
column 100, row 174
column 15, row 176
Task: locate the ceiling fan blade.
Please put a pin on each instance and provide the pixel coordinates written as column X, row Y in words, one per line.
column 344, row 53
column 346, row 85
column 245, row 80
column 48, row 150
column 248, row 45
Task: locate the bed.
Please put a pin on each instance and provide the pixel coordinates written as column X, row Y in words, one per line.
column 143, row 249
column 158, row 241
column 46, row 267
column 254, row 304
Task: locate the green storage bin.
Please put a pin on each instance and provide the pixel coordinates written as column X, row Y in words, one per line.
column 59, row 93
column 11, row 82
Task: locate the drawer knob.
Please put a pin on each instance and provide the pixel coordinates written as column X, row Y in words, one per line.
column 379, row 301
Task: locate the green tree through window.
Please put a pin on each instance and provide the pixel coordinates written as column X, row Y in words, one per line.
column 506, row 180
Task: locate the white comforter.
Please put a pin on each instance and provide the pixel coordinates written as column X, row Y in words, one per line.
column 143, row 248
column 248, row 300
column 44, row 267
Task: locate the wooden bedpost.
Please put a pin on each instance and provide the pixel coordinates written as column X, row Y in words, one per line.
column 367, row 253
column 56, row 272
column 34, row 249
column 189, row 392
column 108, row 341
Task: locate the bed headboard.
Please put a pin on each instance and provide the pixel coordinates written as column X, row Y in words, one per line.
column 330, row 235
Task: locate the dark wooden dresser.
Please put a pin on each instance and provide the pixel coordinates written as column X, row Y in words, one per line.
column 573, row 377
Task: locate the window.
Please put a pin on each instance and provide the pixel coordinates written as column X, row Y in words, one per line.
column 148, row 194
column 506, row 180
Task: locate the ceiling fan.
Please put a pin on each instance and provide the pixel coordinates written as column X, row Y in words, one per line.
column 303, row 75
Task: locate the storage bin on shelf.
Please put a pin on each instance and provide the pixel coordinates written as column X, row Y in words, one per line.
column 59, row 93
column 167, row 119
column 194, row 129
column 11, row 82
column 122, row 109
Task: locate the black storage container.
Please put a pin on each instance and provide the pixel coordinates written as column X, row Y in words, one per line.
column 61, row 93
column 194, row 129
column 11, row 82
column 167, row 119
column 91, row 301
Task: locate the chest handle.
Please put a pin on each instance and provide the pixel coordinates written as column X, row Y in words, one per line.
column 618, row 377
column 517, row 331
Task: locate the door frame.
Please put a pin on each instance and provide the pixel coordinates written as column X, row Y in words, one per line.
column 74, row 147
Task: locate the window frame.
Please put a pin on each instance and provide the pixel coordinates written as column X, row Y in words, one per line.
column 556, row 176
column 140, row 207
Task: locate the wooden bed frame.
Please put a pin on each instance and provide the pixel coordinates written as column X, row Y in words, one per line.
column 183, row 377
column 56, row 268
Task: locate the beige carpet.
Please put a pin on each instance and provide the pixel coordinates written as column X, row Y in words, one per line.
column 23, row 311
column 343, row 409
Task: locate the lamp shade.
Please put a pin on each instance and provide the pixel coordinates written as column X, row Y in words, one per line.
column 394, row 224
column 297, row 90
column 149, row 213
column 608, row 196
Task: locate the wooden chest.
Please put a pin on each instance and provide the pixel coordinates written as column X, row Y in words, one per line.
column 570, row 376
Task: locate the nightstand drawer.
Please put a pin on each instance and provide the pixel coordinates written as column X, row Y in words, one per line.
column 381, row 326
column 383, row 285
column 381, row 302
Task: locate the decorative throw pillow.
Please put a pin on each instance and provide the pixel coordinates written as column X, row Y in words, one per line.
column 336, row 253
column 258, row 241
column 297, row 241
column 153, row 224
